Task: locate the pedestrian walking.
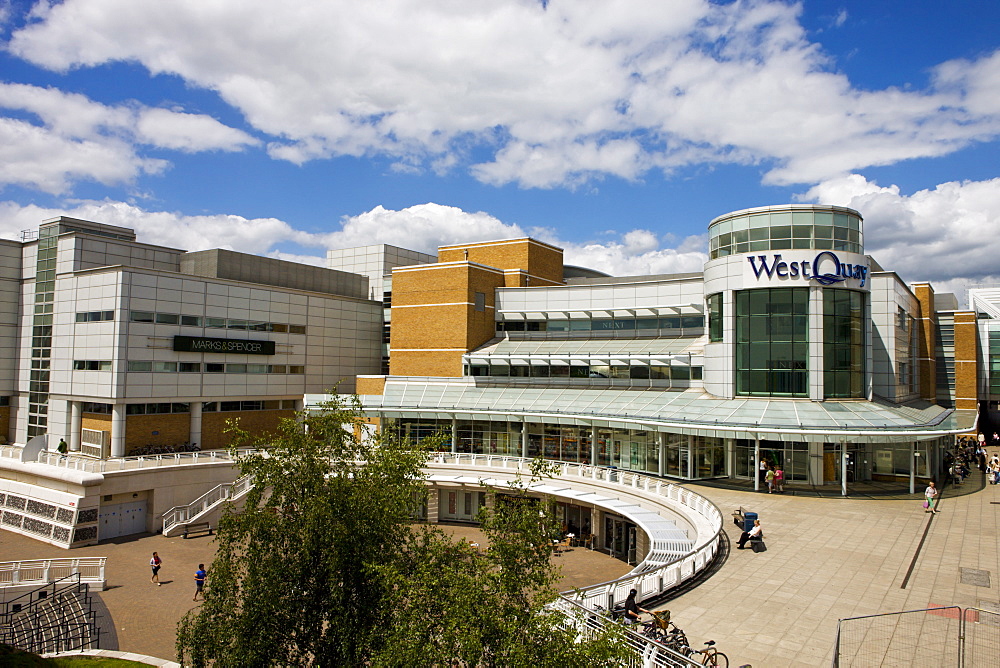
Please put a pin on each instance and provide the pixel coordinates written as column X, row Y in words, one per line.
column 62, row 448
column 769, row 479
column 155, row 563
column 930, row 498
column 199, row 582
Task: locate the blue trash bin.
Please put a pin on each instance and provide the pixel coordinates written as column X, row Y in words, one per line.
column 748, row 519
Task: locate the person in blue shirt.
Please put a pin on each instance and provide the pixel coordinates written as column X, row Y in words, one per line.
column 199, row 582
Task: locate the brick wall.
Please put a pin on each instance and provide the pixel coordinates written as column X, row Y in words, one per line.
column 927, row 363
column 214, row 424
column 966, row 360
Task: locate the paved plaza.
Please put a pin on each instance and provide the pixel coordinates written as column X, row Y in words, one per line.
column 827, row 558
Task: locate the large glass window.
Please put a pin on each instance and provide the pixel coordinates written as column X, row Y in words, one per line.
column 715, row 317
column 843, row 344
column 772, row 337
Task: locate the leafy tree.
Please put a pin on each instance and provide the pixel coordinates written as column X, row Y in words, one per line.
column 324, row 565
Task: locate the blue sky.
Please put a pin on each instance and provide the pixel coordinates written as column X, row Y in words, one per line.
column 614, row 129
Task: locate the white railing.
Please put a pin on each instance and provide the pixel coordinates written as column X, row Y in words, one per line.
column 178, row 516
column 90, row 465
column 42, row 571
column 646, row 653
column 659, row 572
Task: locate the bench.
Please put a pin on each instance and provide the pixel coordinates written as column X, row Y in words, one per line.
column 197, row 527
column 739, row 515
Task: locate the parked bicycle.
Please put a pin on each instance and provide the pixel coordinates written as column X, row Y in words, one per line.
column 711, row 656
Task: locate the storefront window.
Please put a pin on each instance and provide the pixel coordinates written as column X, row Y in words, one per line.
column 843, row 344
column 772, row 341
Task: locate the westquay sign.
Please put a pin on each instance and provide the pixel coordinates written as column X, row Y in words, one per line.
column 200, row 344
column 826, row 268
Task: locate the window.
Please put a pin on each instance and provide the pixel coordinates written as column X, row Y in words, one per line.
column 843, row 344
column 296, row 329
column 480, row 302
column 715, row 317
column 94, row 316
column 215, row 323
column 296, row 369
column 189, row 367
column 140, row 316
column 165, row 367
column 168, row 318
column 140, row 366
column 772, row 341
column 214, row 367
column 191, row 320
column 92, row 365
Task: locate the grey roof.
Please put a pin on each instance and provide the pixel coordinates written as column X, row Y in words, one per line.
column 686, row 412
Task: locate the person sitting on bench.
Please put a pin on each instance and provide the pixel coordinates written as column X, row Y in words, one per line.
column 755, row 532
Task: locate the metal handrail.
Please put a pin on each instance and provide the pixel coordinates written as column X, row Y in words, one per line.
column 187, row 513
column 41, row 571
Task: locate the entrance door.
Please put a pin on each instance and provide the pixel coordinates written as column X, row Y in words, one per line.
column 121, row 519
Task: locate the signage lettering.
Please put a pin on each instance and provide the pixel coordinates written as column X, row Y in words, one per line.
column 197, row 344
column 826, row 268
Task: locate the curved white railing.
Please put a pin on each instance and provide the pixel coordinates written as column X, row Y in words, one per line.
column 178, row 516
column 43, row 571
column 659, row 572
column 662, row 570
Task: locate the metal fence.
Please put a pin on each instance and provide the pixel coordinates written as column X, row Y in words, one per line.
column 945, row 636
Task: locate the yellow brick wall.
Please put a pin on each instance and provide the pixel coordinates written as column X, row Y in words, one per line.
column 429, row 363
column 374, row 386
column 540, row 260
column 928, row 322
column 96, row 421
column 170, row 428
column 434, row 319
column 256, row 422
column 966, row 361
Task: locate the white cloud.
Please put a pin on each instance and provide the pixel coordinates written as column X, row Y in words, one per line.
column 558, row 93
column 77, row 139
column 188, row 132
column 948, row 235
column 423, row 227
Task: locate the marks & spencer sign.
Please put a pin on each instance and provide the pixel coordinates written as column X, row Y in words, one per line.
column 825, row 268
column 199, row 344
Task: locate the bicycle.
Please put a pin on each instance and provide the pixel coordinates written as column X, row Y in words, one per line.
column 711, row 656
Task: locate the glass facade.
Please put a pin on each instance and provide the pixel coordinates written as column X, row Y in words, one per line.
column 631, row 449
column 844, row 344
column 772, row 342
column 715, row 317
column 993, row 362
column 668, row 327
column 781, row 230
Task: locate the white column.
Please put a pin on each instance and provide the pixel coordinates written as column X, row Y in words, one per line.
column 843, row 468
column 661, row 442
column 118, row 430
column 75, row 424
column 816, row 360
column 690, row 471
column 454, row 435
column 913, row 467
column 756, row 464
column 593, row 446
column 194, row 430
column 524, row 438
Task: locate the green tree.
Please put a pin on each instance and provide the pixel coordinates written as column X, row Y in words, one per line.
column 324, row 566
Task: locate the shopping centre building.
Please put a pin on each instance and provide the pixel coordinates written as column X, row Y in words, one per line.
column 792, row 346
